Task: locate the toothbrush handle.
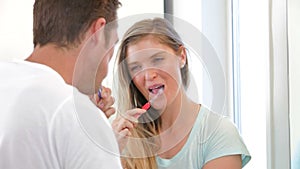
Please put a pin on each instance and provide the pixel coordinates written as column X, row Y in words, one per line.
column 99, row 93
column 146, row 106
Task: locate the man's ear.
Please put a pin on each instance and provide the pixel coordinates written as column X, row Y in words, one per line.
column 96, row 29
column 98, row 24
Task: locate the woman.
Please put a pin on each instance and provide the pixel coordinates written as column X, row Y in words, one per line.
column 175, row 132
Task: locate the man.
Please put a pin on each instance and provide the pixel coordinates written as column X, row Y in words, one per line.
column 47, row 119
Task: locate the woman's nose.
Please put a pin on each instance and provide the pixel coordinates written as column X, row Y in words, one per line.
column 150, row 74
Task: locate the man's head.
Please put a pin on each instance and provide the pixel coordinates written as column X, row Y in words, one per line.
column 85, row 30
column 64, row 22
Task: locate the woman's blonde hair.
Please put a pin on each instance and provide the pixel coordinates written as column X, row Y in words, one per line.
column 140, row 151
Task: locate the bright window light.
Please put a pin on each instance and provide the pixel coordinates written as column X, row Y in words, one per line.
column 253, row 56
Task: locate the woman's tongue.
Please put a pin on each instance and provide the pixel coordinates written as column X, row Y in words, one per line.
column 155, row 91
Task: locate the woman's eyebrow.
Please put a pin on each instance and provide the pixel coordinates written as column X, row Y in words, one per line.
column 132, row 63
column 158, row 53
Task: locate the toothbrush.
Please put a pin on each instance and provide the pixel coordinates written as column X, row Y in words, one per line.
column 148, row 104
column 99, row 93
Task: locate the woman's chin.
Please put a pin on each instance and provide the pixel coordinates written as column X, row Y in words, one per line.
column 159, row 105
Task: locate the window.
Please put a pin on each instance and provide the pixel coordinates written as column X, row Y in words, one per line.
column 250, row 65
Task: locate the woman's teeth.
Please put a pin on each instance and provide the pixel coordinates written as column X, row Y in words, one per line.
column 156, row 89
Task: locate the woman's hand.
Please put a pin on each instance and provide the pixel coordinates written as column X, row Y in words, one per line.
column 105, row 102
column 123, row 125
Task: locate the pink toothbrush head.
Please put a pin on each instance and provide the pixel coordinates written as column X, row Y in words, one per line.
column 148, row 104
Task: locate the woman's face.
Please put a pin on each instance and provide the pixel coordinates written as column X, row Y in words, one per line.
column 155, row 70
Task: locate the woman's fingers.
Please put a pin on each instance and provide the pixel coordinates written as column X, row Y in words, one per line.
column 122, row 128
column 123, row 124
column 127, row 119
column 122, row 138
column 133, row 114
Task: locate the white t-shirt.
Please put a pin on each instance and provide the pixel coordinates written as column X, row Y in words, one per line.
column 47, row 124
column 211, row 137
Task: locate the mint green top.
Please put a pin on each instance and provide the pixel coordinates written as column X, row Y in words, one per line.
column 211, row 137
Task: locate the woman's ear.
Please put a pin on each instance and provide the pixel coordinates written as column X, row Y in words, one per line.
column 182, row 56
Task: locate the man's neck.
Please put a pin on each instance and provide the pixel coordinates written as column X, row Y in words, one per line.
column 59, row 59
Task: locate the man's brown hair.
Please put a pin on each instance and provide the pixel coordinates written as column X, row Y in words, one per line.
column 64, row 22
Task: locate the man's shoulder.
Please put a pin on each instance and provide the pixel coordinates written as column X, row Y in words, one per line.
column 33, row 84
column 24, row 71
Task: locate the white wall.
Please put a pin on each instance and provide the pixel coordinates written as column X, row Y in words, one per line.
column 132, row 7
column 212, row 19
column 16, row 29
column 294, row 73
column 216, row 26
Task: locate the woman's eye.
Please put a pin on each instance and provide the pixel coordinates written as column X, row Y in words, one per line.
column 135, row 69
column 158, row 59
